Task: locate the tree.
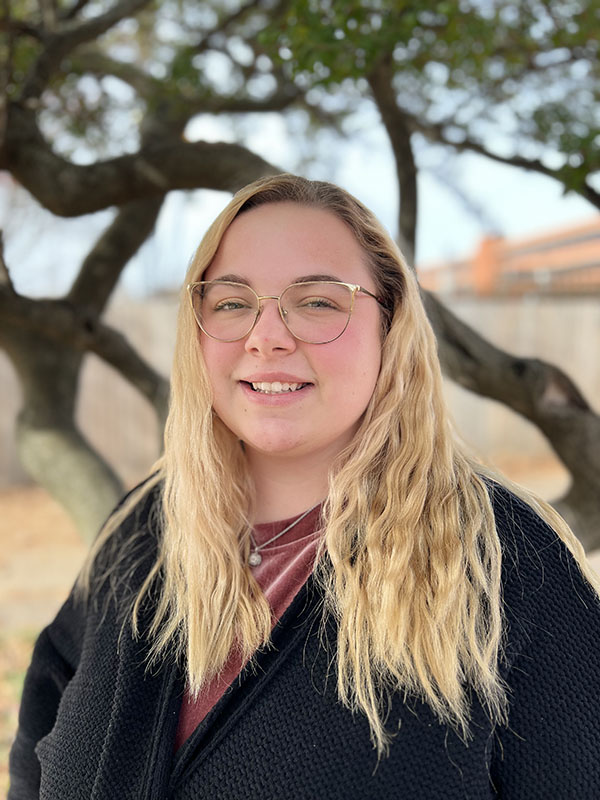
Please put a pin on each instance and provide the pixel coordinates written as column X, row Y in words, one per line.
column 453, row 73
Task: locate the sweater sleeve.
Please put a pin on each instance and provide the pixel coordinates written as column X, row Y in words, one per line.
column 58, row 650
column 53, row 664
column 551, row 746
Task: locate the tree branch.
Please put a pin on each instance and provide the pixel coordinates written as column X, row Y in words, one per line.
column 113, row 348
column 538, row 391
column 6, row 75
column 223, row 26
column 182, row 103
column 59, row 321
column 104, row 264
column 61, row 43
column 69, row 189
column 381, row 83
column 481, row 367
column 591, row 195
column 48, row 13
column 5, row 279
column 19, row 28
column 73, row 35
column 93, row 61
column 70, row 13
column 436, row 132
column 225, row 23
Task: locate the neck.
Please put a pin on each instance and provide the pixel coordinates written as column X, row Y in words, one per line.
column 286, row 487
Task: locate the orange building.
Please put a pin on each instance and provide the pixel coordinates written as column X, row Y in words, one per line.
column 564, row 261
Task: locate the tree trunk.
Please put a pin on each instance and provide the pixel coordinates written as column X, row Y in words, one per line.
column 51, row 448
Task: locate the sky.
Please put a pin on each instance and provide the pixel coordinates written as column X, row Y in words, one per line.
column 43, row 252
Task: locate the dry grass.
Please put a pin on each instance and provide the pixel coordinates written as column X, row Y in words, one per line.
column 40, row 554
column 15, row 653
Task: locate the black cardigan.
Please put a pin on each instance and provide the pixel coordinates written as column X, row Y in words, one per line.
column 102, row 725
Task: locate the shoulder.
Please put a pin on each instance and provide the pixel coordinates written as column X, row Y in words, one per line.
column 546, row 597
column 550, row 662
column 139, row 507
column 132, row 529
column 532, row 550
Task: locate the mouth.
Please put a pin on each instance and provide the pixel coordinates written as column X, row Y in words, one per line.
column 275, row 387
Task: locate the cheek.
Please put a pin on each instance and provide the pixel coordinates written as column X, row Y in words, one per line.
column 208, row 357
column 354, row 363
column 218, row 358
column 216, row 369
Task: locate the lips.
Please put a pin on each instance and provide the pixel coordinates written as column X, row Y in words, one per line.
column 274, row 384
column 276, row 387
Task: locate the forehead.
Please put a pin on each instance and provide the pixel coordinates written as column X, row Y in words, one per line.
column 278, row 243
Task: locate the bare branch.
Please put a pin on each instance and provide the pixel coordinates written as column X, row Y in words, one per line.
column 48, row 13
column 77, row 33
column 436, row 132
column 591, row 195
column 103, row 265
column 277, row 101
column 113, row 348
column 5, row 279
column 541, row 393
column 381, row 83
column 223, row 26
column 76, row 330
column 538, row 391
column 178, row 103
column 20, row 28
column 60, row 44
column 69, row 189
column 5, row 79
column 532, row 165
column 94, row 61
column 225, row 23
column 70, row 13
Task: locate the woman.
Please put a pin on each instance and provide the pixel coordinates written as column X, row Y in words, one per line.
column 317, row 593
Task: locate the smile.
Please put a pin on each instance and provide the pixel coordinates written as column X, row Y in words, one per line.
column 276, row 387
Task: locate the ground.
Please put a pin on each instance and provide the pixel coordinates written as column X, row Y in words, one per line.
column 40, row 555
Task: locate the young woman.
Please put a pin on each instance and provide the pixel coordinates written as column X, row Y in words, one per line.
column 316, row 594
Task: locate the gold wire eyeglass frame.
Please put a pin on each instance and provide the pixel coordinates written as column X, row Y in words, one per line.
column 354, row 288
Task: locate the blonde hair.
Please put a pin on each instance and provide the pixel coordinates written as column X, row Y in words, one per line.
column 411, row 559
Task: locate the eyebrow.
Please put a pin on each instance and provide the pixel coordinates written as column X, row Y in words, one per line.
column 302, row 279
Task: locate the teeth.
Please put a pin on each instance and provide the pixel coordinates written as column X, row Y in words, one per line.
column 276, row 387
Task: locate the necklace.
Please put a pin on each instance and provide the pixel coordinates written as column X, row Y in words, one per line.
column 255, row 558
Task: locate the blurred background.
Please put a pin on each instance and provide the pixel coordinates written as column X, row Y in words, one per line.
column 470, row 127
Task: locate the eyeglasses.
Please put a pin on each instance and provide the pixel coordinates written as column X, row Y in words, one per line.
column 316, row 312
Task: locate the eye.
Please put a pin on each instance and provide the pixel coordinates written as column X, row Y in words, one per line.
column 318, row 303
column 231, row 304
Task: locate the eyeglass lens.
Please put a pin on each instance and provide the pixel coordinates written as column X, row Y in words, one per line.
column 314, row 312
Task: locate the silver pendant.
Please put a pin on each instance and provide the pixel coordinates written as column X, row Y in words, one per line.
column 255, row 558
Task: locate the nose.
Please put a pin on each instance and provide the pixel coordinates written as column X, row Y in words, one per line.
column 270, row 332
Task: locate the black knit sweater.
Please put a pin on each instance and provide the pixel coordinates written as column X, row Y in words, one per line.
column 96, row 724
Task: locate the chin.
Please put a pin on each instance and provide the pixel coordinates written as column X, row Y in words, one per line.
column 270, row 443
column 276, row 448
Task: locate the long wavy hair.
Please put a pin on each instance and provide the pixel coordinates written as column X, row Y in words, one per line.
column 410, row 558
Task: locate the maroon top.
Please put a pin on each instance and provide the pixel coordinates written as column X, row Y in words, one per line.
column 285, row 567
